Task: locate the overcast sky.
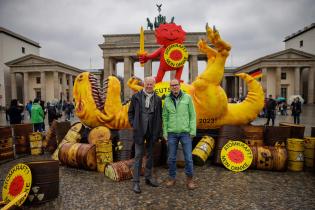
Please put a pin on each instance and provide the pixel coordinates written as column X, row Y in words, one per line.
column 71, row 30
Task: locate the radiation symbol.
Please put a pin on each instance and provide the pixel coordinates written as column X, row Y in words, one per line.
column 18, row 180
column 300, row 157
column 236, row 156
column 34, row 194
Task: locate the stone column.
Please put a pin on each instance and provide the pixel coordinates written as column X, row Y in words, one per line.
column 70, row 88
column 56, row 86
column 106, row 67
column 278, row 82
column 43, row 85
column 241, row 88
column 13, row 86
column 264, row 80
column 128, row 72
column 112, row 66
column 224, row 83
column 148, row 69
column 25, row 87
column 64, row 86
column 193, row 68
column 172, row 75
column 310, row 92
column 297, row 78
column 236, row 87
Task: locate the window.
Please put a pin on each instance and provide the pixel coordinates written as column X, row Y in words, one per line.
column 301, row 43
column 37, row 80
column 67, row 82
column 23, row 50
column 283, row 75
column 284, row 92
column 38, row 94
column 60, row 80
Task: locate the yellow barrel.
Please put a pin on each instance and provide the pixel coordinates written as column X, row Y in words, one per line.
column 104, row 154
column 74, row 135
column 295, row 154
column 36, row 143
column 99, row 133
column 309, row 145
column 203, row 150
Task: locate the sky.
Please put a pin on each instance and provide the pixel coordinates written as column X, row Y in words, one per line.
column 70, row 31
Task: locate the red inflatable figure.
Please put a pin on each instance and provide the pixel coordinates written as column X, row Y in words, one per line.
column 172, row 36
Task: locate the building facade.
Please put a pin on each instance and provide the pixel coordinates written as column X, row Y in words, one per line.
column 33, row 76
column 303, row 40
column 285, row 73
column 12, row 46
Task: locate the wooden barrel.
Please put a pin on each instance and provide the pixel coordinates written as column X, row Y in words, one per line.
column 119, row 171
column 253, row 135
column 51, row 141
column 86, row 157
column 226, row 133
column 123, row 149
column 78, row 155
column 62, row 129
column 6, row 143
column 104, row 154
column 295, row 149
column 74, row 135
column 36, row 143
column 203, row 150
column 159, row 153
column 309, row 146
column 100, row 133
column 45, row 181
column 297, row 131
column 277, row 135
column 269, row 158
column 21, row 133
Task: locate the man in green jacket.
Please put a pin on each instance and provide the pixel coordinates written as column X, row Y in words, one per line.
column 37, row 115
column 179, row 124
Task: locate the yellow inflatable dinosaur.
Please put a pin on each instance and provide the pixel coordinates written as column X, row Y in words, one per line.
column 96, row 106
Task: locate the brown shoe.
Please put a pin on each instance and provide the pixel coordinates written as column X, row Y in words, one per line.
column 170, row 182
column 191, row 185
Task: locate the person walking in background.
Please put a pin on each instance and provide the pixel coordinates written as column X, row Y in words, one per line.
column 296, row 108
column 53, row 113
column 179, row 124
column 271, row 110
column 42, row 104
column 145, row 117
column 37, row 116
column 15, row 112
column 29, row 108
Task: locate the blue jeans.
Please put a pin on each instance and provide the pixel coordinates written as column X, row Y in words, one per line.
column 185, row 140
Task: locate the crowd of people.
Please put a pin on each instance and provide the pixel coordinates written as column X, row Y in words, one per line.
column 272, row 107
column 37, row 111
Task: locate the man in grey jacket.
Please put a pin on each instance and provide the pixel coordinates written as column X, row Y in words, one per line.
column 145, row 116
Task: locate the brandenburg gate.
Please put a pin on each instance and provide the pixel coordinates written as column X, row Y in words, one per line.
column 124, row 47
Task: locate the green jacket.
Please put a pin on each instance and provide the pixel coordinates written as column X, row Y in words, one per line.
column 37, row 115
column 180, row 119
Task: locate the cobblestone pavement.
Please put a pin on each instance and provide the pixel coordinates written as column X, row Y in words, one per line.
column 218, row 187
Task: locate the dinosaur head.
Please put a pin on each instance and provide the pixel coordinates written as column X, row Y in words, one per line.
column 170, row 33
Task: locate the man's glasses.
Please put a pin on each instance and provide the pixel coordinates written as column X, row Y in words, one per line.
column 175, row 85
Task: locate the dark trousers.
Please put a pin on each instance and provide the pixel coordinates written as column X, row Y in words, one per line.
column 296, row 118
column 271, row 115
column 38, row 127
column 139, row 153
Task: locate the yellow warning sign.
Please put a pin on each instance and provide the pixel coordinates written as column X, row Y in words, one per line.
column 236, row 156
column 18, row 180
